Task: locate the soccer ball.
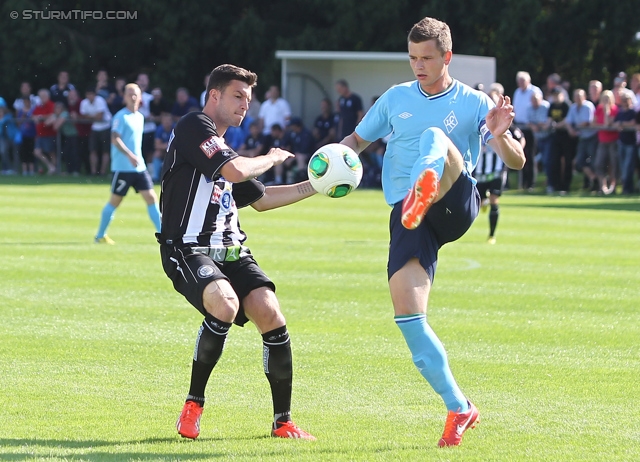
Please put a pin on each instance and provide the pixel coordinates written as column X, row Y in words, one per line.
column 334, row 170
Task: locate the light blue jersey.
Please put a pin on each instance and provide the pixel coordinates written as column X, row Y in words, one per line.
column 405, row 111
column 129, row 125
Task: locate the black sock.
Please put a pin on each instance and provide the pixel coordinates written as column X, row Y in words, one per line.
column 209, row 346
column 493, row 219
column 278, row 368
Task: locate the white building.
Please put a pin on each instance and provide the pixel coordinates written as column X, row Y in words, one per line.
column 309, row 76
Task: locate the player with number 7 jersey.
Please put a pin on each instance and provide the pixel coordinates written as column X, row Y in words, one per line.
column 128, row 164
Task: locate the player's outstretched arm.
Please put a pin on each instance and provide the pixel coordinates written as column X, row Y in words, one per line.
column 245, row 168
column 355, row 142
column 279, row 196
column 499, row 120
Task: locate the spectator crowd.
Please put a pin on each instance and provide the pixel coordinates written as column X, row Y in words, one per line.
column 59, row 130
column 595, row 133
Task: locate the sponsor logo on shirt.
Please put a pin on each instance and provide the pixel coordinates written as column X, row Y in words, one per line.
column 212, row 145
column 222, row 198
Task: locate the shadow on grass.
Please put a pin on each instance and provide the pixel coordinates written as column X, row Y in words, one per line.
column 47, row 244
column 79, row 449
column 42, row 180
column 35, row 448
column 631, row 204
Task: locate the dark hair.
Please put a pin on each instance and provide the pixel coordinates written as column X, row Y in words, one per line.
column 432, row 29
column 343, row 82
column 222, row 75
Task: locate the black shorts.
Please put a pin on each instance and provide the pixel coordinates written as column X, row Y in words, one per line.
column 100, row 141
column 26, row 150
column 148, row 144
column 446, row 221
column 191, row 272
column 493, row 187
column 122, row 181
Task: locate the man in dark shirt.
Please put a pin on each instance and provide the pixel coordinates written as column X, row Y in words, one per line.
column 60, row 91
column 184, row 104
column 560, row 170
column 301, row 144
column 349, row 109
column 324, row 127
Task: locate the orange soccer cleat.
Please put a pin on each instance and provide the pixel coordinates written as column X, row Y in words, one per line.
column 420, row 198
column 188, row 423
column 456, row 424
column 291, row 430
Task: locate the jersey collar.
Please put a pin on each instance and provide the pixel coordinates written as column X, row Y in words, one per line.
column 446, row 91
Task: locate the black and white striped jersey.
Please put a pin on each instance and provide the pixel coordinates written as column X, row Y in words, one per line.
column 198, row 205
column 490, row 166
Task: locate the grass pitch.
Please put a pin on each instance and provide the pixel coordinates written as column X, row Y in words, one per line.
column 541, row 330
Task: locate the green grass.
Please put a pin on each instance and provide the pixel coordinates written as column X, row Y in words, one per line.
column 541, row 330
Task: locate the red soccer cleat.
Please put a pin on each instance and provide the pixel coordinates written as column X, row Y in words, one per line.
column 188, row 423
column 291, row 430
column 420, row 198
column 456, row 424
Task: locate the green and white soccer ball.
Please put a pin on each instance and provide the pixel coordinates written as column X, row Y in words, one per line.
column 335, row 170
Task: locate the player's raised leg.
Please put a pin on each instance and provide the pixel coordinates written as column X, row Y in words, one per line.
column 436, row 170
column 425, row 177
column 262, row 308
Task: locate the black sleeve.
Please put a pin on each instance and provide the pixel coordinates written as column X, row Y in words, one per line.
column 247, row 192
column 197, row 141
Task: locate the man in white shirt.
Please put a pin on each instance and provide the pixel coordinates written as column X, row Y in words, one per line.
column 521, row 104
column 95, row 108
column 25, row 92
column 274, row 110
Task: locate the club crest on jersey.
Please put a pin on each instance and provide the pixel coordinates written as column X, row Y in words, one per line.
column 212, row 145
column 205, row 271
column 450, row 122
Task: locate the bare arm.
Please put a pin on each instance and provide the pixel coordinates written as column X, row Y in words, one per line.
column 279, row 196
column 118, row 143
column 244, row 168
column 355, row 142
column 57, row 123
column 509, row 150
column 499, row 120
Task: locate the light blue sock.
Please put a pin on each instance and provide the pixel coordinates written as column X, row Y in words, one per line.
column 431, row 360
column 105, row 219
column 154, row 214
column 434, row 147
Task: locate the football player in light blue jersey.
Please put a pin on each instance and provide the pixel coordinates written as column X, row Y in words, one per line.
column 437, row 125
column 127, row 163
